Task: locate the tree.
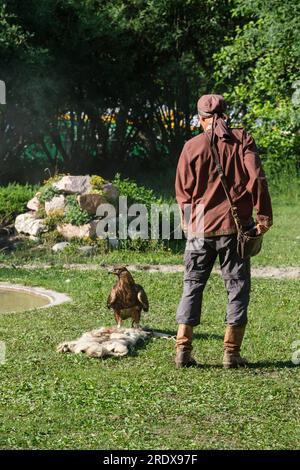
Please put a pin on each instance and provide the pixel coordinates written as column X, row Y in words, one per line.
column 13, row 44
column 258, row 68
column 98, row 84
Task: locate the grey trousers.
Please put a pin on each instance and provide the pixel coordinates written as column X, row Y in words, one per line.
column 199, row 261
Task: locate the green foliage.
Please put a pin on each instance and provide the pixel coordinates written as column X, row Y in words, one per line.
column 47, row 192
column 144, row 246
column 74, row 214
column 102, row 245
column 140, row 194
column 58, row 110
column 12, row 36
column 134, row 192
column 55, row 218
column 285, row 190
column 41, row 213
column 51, row 237
column 64, row 121
column 13, row 201
column 26, row 115
column 97, row 183
column 258, row 70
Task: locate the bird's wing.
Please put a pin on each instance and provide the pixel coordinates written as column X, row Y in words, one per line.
column 142, row 297
column 111, row 298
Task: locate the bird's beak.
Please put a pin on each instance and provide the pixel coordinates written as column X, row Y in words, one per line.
column 111, row 272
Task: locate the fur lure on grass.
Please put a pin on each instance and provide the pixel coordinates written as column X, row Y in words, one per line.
column 106, row 342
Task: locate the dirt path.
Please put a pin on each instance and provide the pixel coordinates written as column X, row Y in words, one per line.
column 267, row 271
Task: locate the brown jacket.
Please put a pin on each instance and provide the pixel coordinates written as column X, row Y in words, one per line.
column 197, row 181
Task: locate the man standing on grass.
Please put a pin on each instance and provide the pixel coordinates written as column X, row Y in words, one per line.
column 198, row 185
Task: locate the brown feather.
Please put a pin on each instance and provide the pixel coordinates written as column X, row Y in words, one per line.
column 126, row 298
column 142, row 297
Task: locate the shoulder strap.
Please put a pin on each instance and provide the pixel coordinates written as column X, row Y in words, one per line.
column 223, row 181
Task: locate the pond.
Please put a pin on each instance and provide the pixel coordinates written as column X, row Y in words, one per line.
column 18, row 298
column 15, row 301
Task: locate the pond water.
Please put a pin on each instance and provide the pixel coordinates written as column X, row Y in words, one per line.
column 17, row 301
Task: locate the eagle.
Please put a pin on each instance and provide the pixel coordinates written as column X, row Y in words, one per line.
column 127, row 299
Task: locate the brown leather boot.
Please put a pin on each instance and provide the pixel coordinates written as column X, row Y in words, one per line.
column 232, row 345
column 184, row 347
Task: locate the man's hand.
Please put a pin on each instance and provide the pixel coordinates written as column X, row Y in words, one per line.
column 261, row 229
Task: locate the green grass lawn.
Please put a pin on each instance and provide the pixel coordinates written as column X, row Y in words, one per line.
column 54, row 401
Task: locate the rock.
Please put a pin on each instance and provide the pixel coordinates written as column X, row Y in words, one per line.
column 56, row 203
column 60, row 246
column 27, row 223
column 90, row 202
column 87, row 250
column 74, row 184
column 34, row 239
column 34, row 204
column 110, row 191
column 69, row 231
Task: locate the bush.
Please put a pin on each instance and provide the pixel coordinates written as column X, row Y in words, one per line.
column 75, row 215
column 55, row 218
column 135, row 192
column 13, row 201
column 46, row 193
column 97, row 183
column 143, row 246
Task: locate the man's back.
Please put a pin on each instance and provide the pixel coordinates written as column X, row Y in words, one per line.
column 198, row 182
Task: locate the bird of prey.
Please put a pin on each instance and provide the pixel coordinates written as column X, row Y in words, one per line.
column 127, row 299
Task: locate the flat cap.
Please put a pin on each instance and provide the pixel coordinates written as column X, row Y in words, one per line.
column 211, row 104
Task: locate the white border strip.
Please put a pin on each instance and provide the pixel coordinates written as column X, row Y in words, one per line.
column 54, row 298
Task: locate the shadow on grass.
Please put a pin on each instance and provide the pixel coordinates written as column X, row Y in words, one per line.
column 134, row 352
column 252, row 366
column 272, row 365
column 195, row 335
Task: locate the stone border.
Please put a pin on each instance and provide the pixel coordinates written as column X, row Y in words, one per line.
column 55, row 298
